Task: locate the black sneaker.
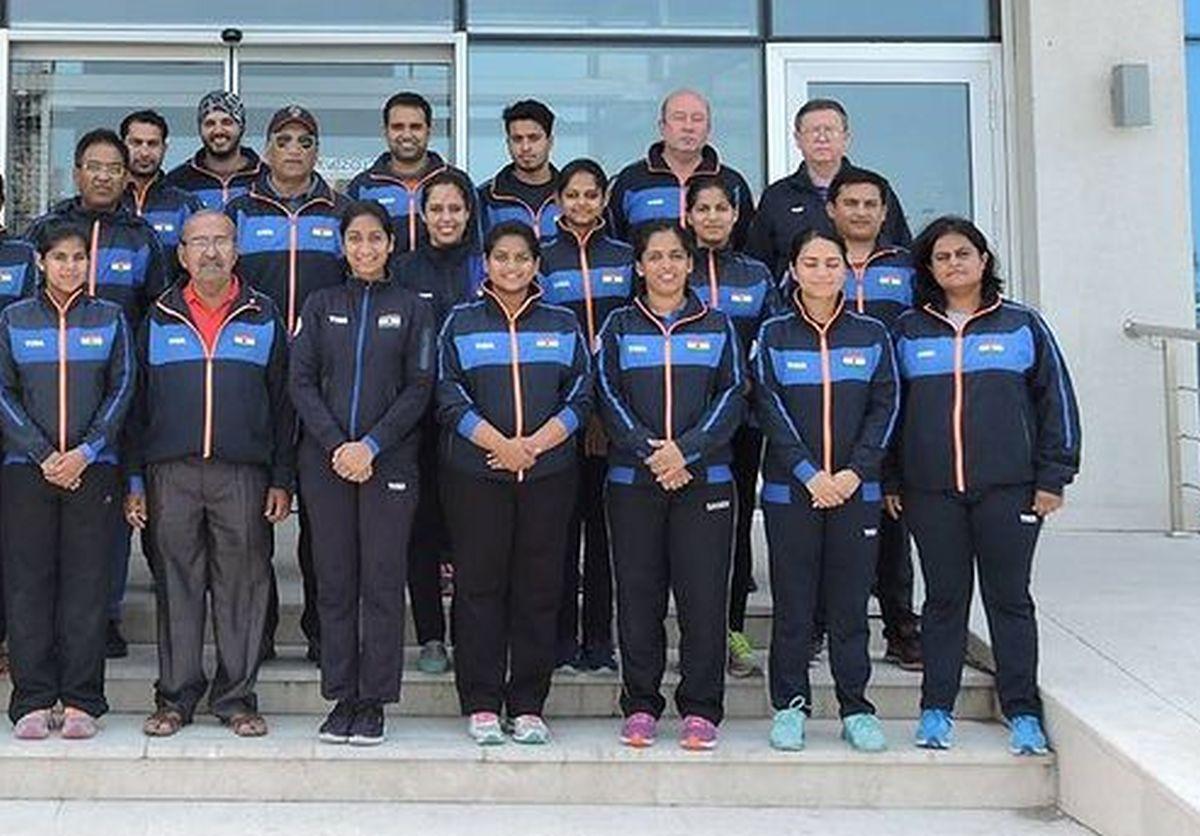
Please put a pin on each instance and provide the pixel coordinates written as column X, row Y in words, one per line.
column 115, row 646
column 367, row 729
column 313, row 653
column 905, row 651
column 337, row 726
column 599, row 660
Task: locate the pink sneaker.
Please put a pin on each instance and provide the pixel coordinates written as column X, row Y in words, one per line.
column 639, row 730
column 33, row 726
column 78, row 725
column 697, row 733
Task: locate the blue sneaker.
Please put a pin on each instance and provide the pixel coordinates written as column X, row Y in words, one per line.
column 935, row 730
column 787, row 731
column 1026, row 736
column 863, row 732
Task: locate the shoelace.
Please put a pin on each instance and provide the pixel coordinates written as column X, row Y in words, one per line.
column 739, row 645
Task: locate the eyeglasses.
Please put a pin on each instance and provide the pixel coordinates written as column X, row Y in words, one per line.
column 97, row 167
column 305, row 141
column 822, row 132
column 201, row 243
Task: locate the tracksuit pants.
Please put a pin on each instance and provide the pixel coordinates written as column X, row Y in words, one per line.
column 587, row 523
column 429, row 545
column 894, row 578
column 508, row 540
column 672, row 542
column 360, row 537
column 996, row 531
column 210, row 538
column 821, row 558
column 56, row 547
column 747, row 459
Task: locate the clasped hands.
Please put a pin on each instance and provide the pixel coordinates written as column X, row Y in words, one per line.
column 831, row 491
column 65, row 470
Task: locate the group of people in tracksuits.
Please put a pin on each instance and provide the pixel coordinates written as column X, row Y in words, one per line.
column 556, row 382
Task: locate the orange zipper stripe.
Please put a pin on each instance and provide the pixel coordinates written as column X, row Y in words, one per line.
column 713, row 288
column 668, row 385
column 585, row 273
column 93, row 257
column 293, row 245
column 62, row 380
column 826, row 405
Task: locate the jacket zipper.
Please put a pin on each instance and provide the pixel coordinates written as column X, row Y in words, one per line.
column 358, row 364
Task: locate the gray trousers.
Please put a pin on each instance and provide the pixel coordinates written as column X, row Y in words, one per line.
column 210, row 536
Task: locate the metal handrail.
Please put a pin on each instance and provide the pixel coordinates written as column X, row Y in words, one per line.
column 1167, row 336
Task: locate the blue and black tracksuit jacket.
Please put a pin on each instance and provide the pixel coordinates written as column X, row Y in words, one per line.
column 215, row 191
column 740, row 286
column 228, row 403
column 401, row 197
column 361, row 367
column 882, row 286
column 18, row 269
column 443, row 277
column 67, row 377
column 986, row 404
column 648, row 190
column 827, row 398
column 514, row 371
column 591, row 274
column 126, row 262
column 287, row 248
column 504, row 198
column 678, row 379
column 795, row 204
column 166, row 207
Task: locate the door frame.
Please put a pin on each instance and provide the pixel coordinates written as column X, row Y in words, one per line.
column 979, row 65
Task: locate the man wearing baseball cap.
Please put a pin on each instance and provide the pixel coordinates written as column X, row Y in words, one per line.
column 222, row 169
column 289, row 245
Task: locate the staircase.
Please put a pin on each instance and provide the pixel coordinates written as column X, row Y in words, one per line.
column 428, row 758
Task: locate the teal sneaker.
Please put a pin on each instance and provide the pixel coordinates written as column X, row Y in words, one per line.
column 935, row 730
column 787, row 730
column 864, row 732
column 530, row 729
column 1026, row 736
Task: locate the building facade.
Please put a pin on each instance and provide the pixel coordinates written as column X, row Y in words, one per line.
column 995, row 109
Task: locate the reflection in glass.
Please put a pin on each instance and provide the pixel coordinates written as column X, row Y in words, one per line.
column 347, row 99
column 606, row 100
column 884, row 18
column 217, row 13
column 915, row 134
column 53, row 103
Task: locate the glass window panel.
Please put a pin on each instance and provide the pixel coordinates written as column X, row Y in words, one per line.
column 606, row 100
column 723, row 16
column 1191, row 18
column 883, row 18
column 347, row 99
column 219, row 13
column 1193, row 94
column 53, row 103
column 889, row 123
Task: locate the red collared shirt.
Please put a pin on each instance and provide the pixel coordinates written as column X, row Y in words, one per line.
column 208, row 320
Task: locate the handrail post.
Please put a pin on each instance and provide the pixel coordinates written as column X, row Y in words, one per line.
column 1174, row 453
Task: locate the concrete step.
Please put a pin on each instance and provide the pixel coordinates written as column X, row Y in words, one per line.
column 431, row 760
column 291, row 685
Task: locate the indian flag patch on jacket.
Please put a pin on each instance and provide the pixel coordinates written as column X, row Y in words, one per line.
column 391, row 320
column 245, row 340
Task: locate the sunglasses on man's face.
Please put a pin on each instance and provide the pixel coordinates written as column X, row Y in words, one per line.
column 305, row 141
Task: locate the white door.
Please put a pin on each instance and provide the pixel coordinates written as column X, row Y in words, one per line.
column 927, row 116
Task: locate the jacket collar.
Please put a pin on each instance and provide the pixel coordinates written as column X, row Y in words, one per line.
column 251, row 166
column 381, row 169
column 535, row 293
column 172, row 300
column 692, row 310
column 710, row 162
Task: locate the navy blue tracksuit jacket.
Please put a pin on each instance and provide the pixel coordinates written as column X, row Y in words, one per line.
column 18, row 269
column 442, row 277
column 515, row 372
column 591, row 274
column 127, row 264
column 827, row 398
column 681, row 380
column 213, row 190
column 505, row 198
column 647, row 190
column 361, row 366
column 740, row 286
column 67, row 377
column 988, row 404
column 287, row 248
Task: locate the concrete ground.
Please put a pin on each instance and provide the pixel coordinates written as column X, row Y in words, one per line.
column 177, row 819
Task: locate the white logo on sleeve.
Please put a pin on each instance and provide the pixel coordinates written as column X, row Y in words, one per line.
column 719, row 505
column 338, row 319
column 389, row 321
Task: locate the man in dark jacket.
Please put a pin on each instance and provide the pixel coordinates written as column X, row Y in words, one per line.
column 797, row 202
column 395, row 180
column 222, row 169
column 211, row 468
column 524, row 190
column 656, row 187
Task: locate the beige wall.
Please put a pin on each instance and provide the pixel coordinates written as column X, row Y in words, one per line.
column 1101, row 217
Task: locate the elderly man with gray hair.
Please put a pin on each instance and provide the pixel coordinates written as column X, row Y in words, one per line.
column 655, row 187
column 211, row 469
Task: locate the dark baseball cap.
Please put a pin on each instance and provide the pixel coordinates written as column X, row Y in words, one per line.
column 293, row 113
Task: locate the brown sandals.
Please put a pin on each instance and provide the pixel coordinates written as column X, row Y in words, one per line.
column 246, row 725
column 163, row 723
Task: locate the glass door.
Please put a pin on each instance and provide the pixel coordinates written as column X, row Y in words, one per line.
column 926, row 116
